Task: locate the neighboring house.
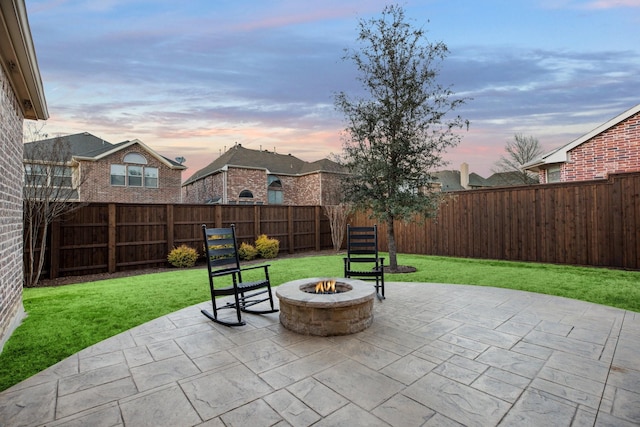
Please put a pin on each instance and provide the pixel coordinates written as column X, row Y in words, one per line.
column 509, row 179
column 610, row 148
column 21, row 97
column 452, row 180
column 98, row 171
column 245, row 176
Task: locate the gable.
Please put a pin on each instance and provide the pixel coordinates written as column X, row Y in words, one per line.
column 88, row 147
column 560, row 155
column 271, row 162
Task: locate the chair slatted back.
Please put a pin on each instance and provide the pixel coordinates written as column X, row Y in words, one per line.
column 362, row 260
column 362, row 242
column 221, row 249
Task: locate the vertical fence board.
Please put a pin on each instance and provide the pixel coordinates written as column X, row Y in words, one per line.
column 635, row 228
column 587, row 223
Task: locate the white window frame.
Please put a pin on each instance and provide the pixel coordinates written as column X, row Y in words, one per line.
column 151, row 177
column 554, row 174
column 141, row 176
column 119, row 168
column 275, row 195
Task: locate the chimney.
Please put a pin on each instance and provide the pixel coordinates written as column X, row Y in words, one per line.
column 464, row 176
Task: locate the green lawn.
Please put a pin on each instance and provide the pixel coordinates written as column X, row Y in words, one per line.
column 63, row 320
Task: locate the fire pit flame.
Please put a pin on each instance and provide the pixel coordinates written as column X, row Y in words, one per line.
column 326, row 287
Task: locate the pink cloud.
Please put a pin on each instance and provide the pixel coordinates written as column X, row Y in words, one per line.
column 296, row 12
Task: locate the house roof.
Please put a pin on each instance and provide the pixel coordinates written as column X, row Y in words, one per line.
column 18, row 58
column 450, row 180
column 559, row 155
column 274, row 163
column 503, row 179
column 85, row 146
column 79, row 144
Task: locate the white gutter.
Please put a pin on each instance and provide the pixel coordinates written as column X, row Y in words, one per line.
column 19, row 59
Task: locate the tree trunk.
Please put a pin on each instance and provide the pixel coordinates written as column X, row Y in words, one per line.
column 42, row 254
column 393, row 259
column 31, row 245
column 338, row 215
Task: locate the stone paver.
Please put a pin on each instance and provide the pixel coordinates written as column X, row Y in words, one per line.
column 436, row 355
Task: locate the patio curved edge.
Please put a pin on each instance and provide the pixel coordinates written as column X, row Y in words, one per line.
column 435, row 353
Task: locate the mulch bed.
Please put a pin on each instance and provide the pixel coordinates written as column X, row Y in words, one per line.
column 68, row 280
column 400, row 269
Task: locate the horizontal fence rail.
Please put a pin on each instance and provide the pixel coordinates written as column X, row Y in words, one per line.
column 591, row 223
column 110, row 237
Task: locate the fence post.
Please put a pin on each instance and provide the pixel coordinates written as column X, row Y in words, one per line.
column 112, row 238
column 170, row 227
column 290, row 226
column 256, row 220
column 217, row 211
column 317, row 225
column 54, row 254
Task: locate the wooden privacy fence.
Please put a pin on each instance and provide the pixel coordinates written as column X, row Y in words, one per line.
column 595, row 223
column 101, row 237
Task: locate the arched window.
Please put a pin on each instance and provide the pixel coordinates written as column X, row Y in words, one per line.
column 135, row 158
column 274, row 190
column 132, row 175
column 246, row 194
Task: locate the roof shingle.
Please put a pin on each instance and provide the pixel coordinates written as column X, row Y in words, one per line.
column 280, row 164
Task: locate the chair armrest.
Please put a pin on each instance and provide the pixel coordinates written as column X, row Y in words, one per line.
column 225, row 272
column 255, row 266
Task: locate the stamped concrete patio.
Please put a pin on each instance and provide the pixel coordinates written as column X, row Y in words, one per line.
column 436, row 355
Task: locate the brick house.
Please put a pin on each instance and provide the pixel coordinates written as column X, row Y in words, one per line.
column 21, row 97
column 245, row 176
column 460, row 180
column 612, row 147
column 98, row 171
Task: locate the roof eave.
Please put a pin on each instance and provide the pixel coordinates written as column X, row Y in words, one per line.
column 559, row 155
column 126, row 144
column 19, row 59
column 533, row 166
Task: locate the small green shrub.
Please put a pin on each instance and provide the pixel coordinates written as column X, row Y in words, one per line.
column 247, row 251
column 266, row 247
column 183, row 256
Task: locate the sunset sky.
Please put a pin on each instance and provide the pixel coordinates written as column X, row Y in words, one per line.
column 191, row 78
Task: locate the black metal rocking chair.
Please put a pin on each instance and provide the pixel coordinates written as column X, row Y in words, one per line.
column 362, row 260
column 223, row 260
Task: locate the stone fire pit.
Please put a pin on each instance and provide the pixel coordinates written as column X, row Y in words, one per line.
column 346, row 312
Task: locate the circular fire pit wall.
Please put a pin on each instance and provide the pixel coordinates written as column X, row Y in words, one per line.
column 306, row 312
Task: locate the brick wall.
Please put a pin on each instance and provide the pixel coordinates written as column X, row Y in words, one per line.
column 203, row 190
column 615, row 150
column 254, row 180
column 331, row 189
column 96, row 185
column 11, row 176
column 311, row 189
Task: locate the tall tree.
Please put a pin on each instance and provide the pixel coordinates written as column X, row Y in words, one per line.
column 338, row 216
column 50, row 191
column 522, row 149
column 398, row 132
